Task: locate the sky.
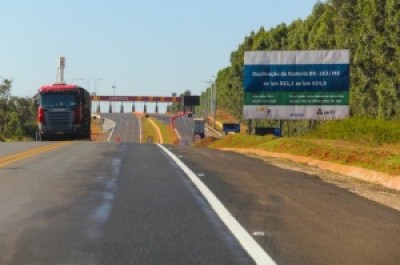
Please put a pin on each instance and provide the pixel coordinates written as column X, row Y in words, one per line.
column 143, row 48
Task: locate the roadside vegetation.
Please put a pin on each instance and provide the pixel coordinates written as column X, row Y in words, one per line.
column 96, row 128
column 361, row 142
column 369, row 29
column 371, row 137
column 148, row 131
column 167, row 132
column 151, row 128
column 360, row 130
column 17, row 115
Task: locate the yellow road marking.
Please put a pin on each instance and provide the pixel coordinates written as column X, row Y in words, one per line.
column 6, row 160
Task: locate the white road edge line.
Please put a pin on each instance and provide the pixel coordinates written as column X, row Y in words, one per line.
column 112, row 131
column 178, row 135
column 256, row 252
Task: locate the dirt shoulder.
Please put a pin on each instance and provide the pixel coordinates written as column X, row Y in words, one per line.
column 375, row 186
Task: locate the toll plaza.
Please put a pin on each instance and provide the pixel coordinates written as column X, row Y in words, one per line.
column 133, row 99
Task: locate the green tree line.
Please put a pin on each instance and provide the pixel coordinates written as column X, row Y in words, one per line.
column 370, row 29
column 17, row 114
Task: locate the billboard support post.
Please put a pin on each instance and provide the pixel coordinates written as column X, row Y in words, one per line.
column 250, row 126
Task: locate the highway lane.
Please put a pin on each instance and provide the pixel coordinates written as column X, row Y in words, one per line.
column 164, row 118
column 185, row 125
column 169, row 222
column 106, row 203
column 127, row 128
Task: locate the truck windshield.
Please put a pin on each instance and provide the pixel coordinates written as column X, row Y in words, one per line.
column 58, row 100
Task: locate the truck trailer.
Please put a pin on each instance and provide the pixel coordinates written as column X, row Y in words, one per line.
column 63, row 111
column 198, row 128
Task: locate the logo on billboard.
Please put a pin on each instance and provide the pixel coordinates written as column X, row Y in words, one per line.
column 267, row 111
column 321, row 112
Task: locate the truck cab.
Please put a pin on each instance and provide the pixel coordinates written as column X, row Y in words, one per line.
column 63, row 111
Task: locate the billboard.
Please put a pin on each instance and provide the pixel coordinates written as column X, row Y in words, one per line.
column 296, row 85
column 191, row 100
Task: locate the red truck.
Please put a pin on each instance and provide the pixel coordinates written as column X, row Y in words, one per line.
column 64, row 111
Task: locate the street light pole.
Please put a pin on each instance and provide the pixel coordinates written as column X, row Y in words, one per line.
column 215, row 103
column 97, row 89
column 210, row 98
column 114, row 87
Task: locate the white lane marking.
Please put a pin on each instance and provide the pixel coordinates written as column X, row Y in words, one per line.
column 178, row 135
column 215, row 131
column 140, row 129
column 251, row 246
column 112, row 131
column 258, row 233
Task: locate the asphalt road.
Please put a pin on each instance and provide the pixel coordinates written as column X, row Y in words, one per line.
column 185, row 125
column 127, row 127
column 120, row 202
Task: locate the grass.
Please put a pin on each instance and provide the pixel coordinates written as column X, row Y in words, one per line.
column 224, row 116
column 361, row 142
column 360, row 130
column 168, row 133
column 148, row 131
column 96, row 129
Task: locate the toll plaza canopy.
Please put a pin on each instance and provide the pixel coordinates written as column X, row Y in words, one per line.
column 136, row 98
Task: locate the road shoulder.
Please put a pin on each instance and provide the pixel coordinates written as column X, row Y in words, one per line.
column 373, row 185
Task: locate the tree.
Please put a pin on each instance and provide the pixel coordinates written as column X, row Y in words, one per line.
column 5, row 88
column 178, row 106
column 17, row 118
